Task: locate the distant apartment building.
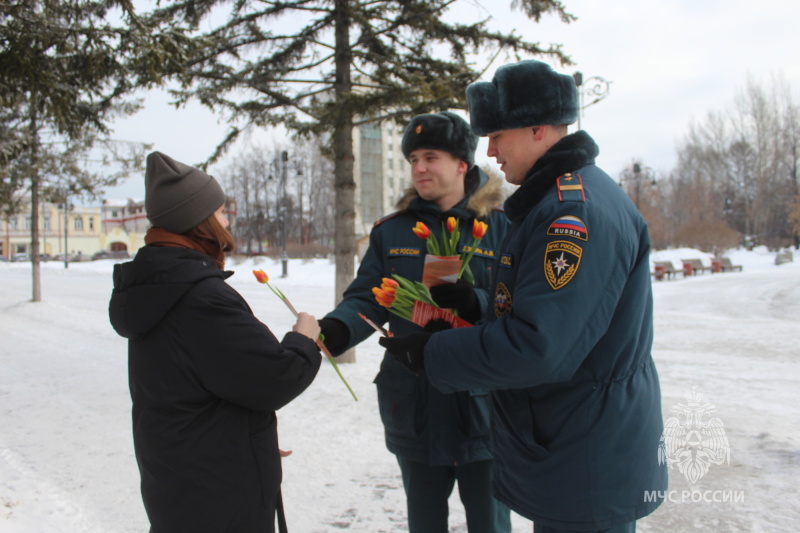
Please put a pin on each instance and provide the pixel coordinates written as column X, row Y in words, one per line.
column 382, row 173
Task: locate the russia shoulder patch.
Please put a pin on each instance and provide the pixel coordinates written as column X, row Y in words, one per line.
column 569, row 226
column 561, row 262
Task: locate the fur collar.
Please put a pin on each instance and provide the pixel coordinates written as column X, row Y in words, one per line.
column 488, row 194
column 569, row 154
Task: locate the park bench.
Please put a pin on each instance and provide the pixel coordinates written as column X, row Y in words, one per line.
column 727, row 266
column 692, row 266
column 664, row 269
column 784, row 256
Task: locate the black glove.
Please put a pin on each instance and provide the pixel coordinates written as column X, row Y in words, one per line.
column 439, row 324
column 337, row 336
column 459, row 296
column 409, row 349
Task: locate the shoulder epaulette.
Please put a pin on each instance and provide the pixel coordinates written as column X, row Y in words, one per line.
column 387, row 217
column 570, row 188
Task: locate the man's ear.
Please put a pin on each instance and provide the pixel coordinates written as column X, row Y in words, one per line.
column 538, row 132
column 462, row 167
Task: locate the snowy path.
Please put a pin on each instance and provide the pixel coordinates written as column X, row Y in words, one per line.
column 66, row 461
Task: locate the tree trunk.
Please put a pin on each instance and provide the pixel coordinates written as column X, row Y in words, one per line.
column 796, row 232
column 34, row 177
column 344, row 228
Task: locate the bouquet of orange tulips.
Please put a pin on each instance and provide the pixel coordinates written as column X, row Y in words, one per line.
column 399, row 294
column 411, row 299
column 445, row 251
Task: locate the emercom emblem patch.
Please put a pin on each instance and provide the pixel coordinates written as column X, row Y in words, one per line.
column 502, row 300
column 561, row 262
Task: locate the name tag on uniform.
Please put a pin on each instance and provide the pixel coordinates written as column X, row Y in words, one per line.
column 484, row 252
column 404, row 252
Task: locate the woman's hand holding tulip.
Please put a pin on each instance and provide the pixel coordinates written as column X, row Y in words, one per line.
column 307, row 325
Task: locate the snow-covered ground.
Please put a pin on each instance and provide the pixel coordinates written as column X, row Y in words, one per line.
column 66, row 458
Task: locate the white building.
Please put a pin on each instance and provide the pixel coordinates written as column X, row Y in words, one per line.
column 381, row 172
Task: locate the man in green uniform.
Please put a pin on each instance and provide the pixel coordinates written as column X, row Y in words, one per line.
column 438, row 438
column 576, row 400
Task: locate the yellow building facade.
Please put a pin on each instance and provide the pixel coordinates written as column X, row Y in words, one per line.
column 84, row 230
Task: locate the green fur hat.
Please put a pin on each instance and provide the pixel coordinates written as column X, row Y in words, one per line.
column 441, row 131
column 528, row 93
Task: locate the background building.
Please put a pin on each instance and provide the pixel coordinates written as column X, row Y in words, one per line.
column 124, row 225
column 381, row 172
column 76, row 230
column 382, row 175
column 117, row 226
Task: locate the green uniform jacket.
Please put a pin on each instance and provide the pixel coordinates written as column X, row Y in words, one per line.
column 421, row 423
column 576, row 399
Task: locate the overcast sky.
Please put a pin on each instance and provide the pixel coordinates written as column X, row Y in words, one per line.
column 669, row 62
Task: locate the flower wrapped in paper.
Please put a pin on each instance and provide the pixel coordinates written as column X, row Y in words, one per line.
column 443, row 263
column 412, row 301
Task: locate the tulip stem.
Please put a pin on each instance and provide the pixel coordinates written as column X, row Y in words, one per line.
column 320, row 344
column 336, row 367
column 262, row 278
column 383, row 331
column 290, row 306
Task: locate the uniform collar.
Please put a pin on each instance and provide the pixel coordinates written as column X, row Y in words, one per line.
column 574, row 151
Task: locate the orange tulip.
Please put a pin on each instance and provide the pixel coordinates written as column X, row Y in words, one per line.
column 389, row 282
column 479, row 229
column 421, row 230
column 452, row 224
column 389, row 290
column 382, row 297
column 261, row 276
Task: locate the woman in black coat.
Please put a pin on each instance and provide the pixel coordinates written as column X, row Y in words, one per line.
column 206, row 376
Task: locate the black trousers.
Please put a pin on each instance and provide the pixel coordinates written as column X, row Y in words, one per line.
column 428, row 488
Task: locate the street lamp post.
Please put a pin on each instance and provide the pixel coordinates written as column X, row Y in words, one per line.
column 282, row 214
column 65, row 197
column 638, row 174
column 596, row 88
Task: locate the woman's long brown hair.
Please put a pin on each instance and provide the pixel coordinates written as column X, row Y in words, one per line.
column 212, row 231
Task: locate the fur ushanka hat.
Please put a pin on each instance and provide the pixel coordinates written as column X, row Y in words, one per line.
column 178, row 197
column 528, row 93
column 444, row 131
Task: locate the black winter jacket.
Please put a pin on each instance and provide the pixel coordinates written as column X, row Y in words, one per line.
column 205, row 378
